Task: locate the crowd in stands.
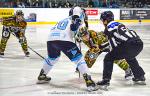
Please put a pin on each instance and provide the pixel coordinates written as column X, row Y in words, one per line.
column 71, row 3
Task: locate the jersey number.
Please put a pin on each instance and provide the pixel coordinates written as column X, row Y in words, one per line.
column 62, row 25
column 123, row 29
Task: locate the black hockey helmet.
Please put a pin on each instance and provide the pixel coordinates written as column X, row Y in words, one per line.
column 107, row 15
column 19, row 12
column 74, row 17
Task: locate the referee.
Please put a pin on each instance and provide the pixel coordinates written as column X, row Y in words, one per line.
column 124, row 44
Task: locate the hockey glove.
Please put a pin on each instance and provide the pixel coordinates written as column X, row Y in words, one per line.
column 77, row 21
column 75, row 25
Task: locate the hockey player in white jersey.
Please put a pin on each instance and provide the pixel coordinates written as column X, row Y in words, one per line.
column 61, row 39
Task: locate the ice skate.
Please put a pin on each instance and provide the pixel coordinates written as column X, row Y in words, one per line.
column 27, row 54
column 128, row 74
column 103, row 85
column 1, row 54
column 77, row 71
column 139, row 81
column 42, row 78
column 91, row 86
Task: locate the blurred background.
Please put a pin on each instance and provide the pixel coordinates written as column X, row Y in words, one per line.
column 71, row 3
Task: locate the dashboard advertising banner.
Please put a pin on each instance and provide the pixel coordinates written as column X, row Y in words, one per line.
column 134, row 14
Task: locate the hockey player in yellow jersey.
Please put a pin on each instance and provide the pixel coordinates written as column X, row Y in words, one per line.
column 97, row 43
column 15, row 25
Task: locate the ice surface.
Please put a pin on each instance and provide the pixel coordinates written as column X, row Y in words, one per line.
column 18, row 74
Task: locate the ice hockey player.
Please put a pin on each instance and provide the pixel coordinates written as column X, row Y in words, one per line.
column 78, row 40
column 61, row 39
column 98, row 43
column 125, row 44
column 94, row 42
column 15, row 25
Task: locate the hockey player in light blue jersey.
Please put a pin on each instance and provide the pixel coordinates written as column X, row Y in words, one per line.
column 61, row 39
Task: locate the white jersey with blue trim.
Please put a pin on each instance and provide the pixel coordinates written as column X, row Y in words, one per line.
column 61, row 31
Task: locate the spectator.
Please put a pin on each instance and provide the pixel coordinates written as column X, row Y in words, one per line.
column 15, row 5
column 90, row 4
column 140, row 5
column 83, row 3
column 27, row 4
column 20, row 5
column 50, row 4
column 35, row 3
column 41, row 4
column 53, row 4
column 60, row 5
column 74, row 4
column 68, row 5
column 56, row 5
column 104, row 4
column 96, row 3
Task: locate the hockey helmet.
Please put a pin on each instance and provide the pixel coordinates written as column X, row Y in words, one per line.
column 77, row 12
column 107, row 15
column 19, row 12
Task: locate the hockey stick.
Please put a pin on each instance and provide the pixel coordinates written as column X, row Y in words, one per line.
column 31, row 48
column 36, row 53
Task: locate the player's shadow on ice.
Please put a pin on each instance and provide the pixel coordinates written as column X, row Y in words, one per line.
column 13, row 57
column 20, row 57
column 72, row 85
column 99, row 75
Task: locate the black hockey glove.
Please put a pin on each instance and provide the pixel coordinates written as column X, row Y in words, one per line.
column 105, row 47
column 77, row 22
column 75, row 25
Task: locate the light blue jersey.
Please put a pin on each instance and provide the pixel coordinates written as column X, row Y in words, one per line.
column 62, row 31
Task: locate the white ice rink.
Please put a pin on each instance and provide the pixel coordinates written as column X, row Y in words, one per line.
column 18, row 74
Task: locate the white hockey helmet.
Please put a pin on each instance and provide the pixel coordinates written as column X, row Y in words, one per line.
column 78, row 11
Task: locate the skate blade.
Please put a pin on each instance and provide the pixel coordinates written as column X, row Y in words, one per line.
column 27, row 55
column 140, row 83
column 129, row 78
column 42, row 82
column 105, row 87
column 1, row 56
column 90, row 89
column 76, row 71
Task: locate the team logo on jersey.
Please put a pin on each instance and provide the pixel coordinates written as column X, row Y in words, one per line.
column 74, row 52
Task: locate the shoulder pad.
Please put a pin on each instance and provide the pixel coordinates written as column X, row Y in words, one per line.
column 23, row 24
column 113, row 25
